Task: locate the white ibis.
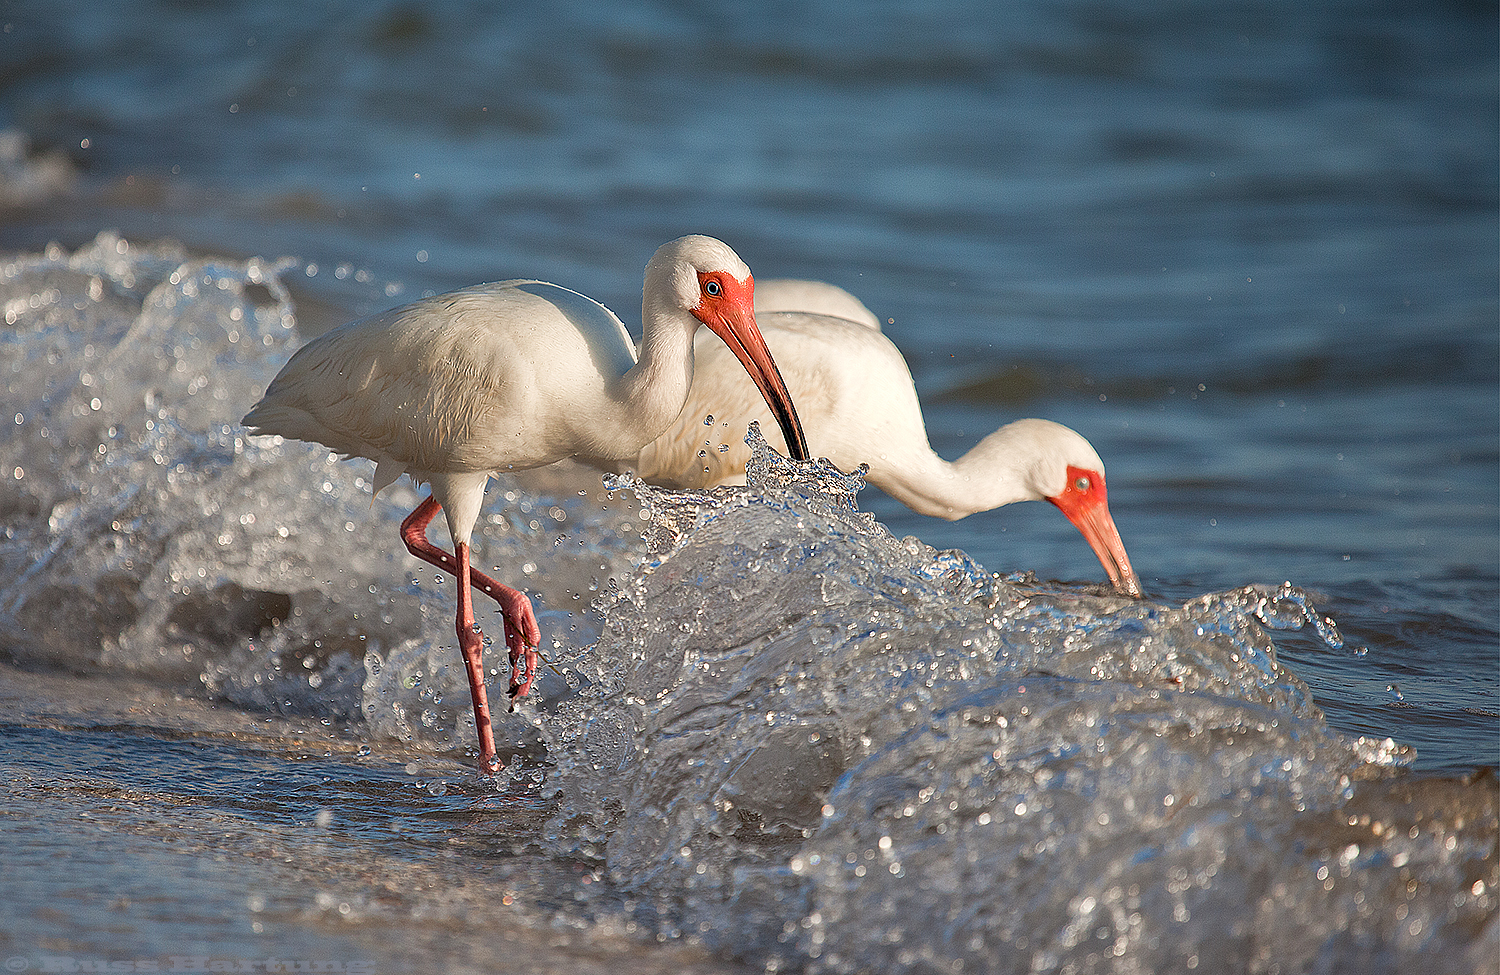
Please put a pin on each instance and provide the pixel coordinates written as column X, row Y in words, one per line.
column 510, row 376
column 858, row 401
column 819, row 297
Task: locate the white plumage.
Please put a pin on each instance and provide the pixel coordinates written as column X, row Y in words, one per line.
column 857, row 400
column 511, row 376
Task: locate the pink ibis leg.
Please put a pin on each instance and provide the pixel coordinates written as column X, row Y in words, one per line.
column 522, row 635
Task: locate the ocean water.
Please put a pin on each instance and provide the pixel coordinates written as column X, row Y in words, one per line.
column 1249, row 251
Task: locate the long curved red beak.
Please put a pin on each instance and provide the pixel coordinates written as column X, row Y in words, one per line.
column 731, row 315
column 1085, row 504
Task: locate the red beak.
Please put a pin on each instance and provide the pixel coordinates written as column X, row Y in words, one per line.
column 731, row 315
column 1084, row 502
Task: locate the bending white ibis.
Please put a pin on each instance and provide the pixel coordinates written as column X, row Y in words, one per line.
column 509, row 376
column 818, row 297
column 858, row 401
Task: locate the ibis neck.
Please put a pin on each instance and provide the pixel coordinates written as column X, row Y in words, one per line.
column 653, row 392
column 991, row 475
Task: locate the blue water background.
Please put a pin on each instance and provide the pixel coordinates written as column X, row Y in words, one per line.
column 1247, row 248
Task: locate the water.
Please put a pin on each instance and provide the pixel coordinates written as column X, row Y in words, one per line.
column 1251, row 256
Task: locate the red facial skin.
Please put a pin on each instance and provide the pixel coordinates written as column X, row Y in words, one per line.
column 727, row 306
column 1085, row 503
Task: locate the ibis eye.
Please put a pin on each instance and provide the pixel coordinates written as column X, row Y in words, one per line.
column 1082, row 484
column 712, row 288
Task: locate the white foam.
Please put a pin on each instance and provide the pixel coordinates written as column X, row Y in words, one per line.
column 804, row 740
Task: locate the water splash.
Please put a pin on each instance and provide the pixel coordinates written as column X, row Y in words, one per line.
column 262, row 570
column 804, row 733
column 788, row 732
column 1284, row 608
column 768, row 474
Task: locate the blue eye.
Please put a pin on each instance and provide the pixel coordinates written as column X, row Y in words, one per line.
column 713, row 289
column 1082, row 484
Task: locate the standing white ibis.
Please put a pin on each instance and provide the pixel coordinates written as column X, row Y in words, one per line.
column 859, row 403
column 510, row 376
